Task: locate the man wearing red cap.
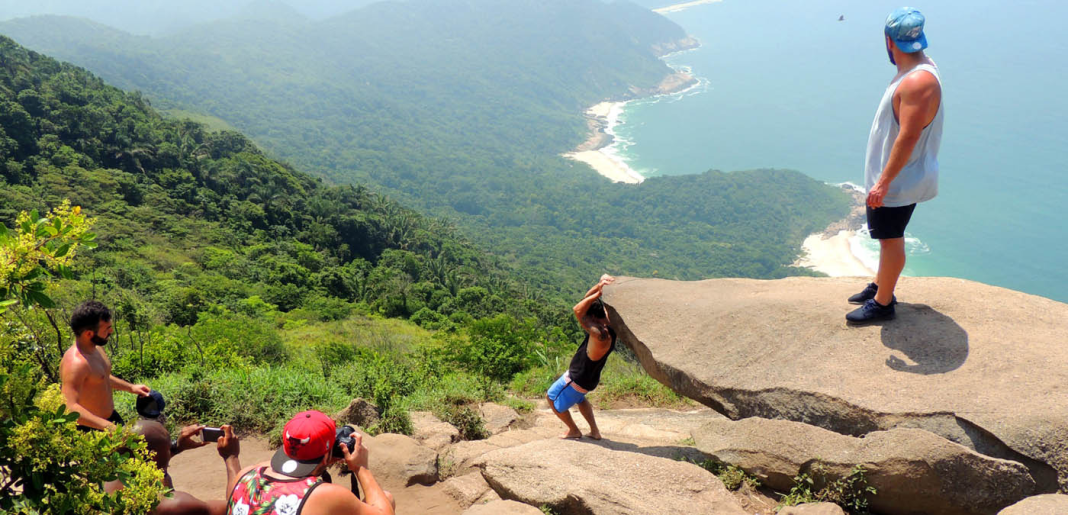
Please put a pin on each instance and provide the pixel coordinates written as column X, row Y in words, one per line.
column 290, row 484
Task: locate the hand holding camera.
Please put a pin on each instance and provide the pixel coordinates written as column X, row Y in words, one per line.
column 227, row 444
column 357, row 458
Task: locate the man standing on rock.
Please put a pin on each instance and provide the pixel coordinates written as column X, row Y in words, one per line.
column 584, row 374
column 902, row 157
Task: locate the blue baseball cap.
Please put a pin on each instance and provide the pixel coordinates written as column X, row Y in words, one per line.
column 905, row 28
column 151, row 405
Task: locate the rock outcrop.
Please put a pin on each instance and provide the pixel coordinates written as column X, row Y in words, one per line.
column 978, row 365
column 574, row 477
column 469, row 489
column 359, row 413
column 913, row 471
column 431, row 431
column 1049, row 504
column 401, row 460
column 497, row 418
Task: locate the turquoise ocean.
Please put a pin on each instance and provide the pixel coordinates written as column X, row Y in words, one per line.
column 787, row 85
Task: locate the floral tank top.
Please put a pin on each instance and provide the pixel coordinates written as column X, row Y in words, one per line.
column 257, row 494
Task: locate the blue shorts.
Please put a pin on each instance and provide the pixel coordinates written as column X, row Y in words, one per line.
column 564, row 395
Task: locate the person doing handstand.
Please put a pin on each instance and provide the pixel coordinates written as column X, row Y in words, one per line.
column 585, row 371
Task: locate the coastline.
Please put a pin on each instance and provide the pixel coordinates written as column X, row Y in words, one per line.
column 599, row 149
column 833, row 251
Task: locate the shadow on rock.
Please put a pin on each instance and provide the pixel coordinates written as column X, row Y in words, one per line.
column 673, row 452
column 932, row 341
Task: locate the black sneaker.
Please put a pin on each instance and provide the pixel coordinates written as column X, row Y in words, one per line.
column 866, row 295
column 871, row 311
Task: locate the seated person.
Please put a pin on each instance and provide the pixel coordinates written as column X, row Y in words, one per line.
column 291, row 482
column 584, row 373
column 159, row 441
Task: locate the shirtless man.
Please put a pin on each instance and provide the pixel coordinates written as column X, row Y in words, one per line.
column 86, row 370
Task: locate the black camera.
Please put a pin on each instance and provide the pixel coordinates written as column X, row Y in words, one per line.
column 345, row 435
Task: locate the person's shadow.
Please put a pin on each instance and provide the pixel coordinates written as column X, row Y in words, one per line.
column 931, row 340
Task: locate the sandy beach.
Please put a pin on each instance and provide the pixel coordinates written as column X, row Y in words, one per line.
column 597, row 151
column 682, row 6
column 832, row 256
column 607, row 166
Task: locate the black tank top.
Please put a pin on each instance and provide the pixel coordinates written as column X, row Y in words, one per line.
column 586, row 372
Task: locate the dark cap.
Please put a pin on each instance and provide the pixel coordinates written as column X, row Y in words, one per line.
column 151, row 405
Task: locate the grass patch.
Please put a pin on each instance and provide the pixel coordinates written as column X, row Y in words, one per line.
column 623, row 383
column 213, row 123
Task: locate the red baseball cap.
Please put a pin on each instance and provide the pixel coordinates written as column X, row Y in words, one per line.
column 306, row 438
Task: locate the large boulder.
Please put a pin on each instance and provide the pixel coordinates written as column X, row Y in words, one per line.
column 1049, row 504
column 497, row 418
column 400, row 460
column 359, row 413
column 979, row 365
column 575, row 477
column 469, row 489
column 913, row 471
column 431, row 431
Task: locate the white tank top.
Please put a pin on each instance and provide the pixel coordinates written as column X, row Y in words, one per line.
column 918, row 180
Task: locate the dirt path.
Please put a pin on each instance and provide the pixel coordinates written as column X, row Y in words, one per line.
column 200, row 472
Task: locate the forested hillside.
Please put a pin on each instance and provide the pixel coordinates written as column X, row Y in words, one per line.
column 461, row 109
column 190, row 219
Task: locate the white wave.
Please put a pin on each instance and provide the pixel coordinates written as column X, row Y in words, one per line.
column 852, row 185
column 617, row 151
column 867, row 249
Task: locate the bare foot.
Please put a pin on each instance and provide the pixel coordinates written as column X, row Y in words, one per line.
column 571, row 435
column 596, row 435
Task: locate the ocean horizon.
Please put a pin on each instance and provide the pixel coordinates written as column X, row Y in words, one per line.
column 787, row 85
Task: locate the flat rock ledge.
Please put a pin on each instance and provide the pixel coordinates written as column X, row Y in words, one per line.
column 820, row 508
column 499, row 507
column 576, row 477
column 978, row 365
column 1049, row 504
column 913, row 471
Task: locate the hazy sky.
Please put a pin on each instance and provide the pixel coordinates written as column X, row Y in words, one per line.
column 161, row 16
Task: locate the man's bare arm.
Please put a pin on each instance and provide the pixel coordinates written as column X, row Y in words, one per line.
column 119, row 384
column 918, row 92
column 229, row 448
column 72, row 374
column 374, row 495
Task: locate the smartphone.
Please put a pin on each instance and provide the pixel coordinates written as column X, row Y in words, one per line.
column 211, row 434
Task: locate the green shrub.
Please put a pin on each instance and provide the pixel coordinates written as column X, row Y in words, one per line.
column 327, row 308
column 497, row 347
column 430, row 319
column 466, row 420
column 850, row 492
column 732, row 476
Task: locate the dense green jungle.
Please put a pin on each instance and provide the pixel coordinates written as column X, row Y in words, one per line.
column 397, row 225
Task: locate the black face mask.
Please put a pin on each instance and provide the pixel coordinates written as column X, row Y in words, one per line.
column 98, row 341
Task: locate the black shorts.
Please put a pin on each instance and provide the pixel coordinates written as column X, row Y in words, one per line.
column 115, row 418
column 886, row 223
